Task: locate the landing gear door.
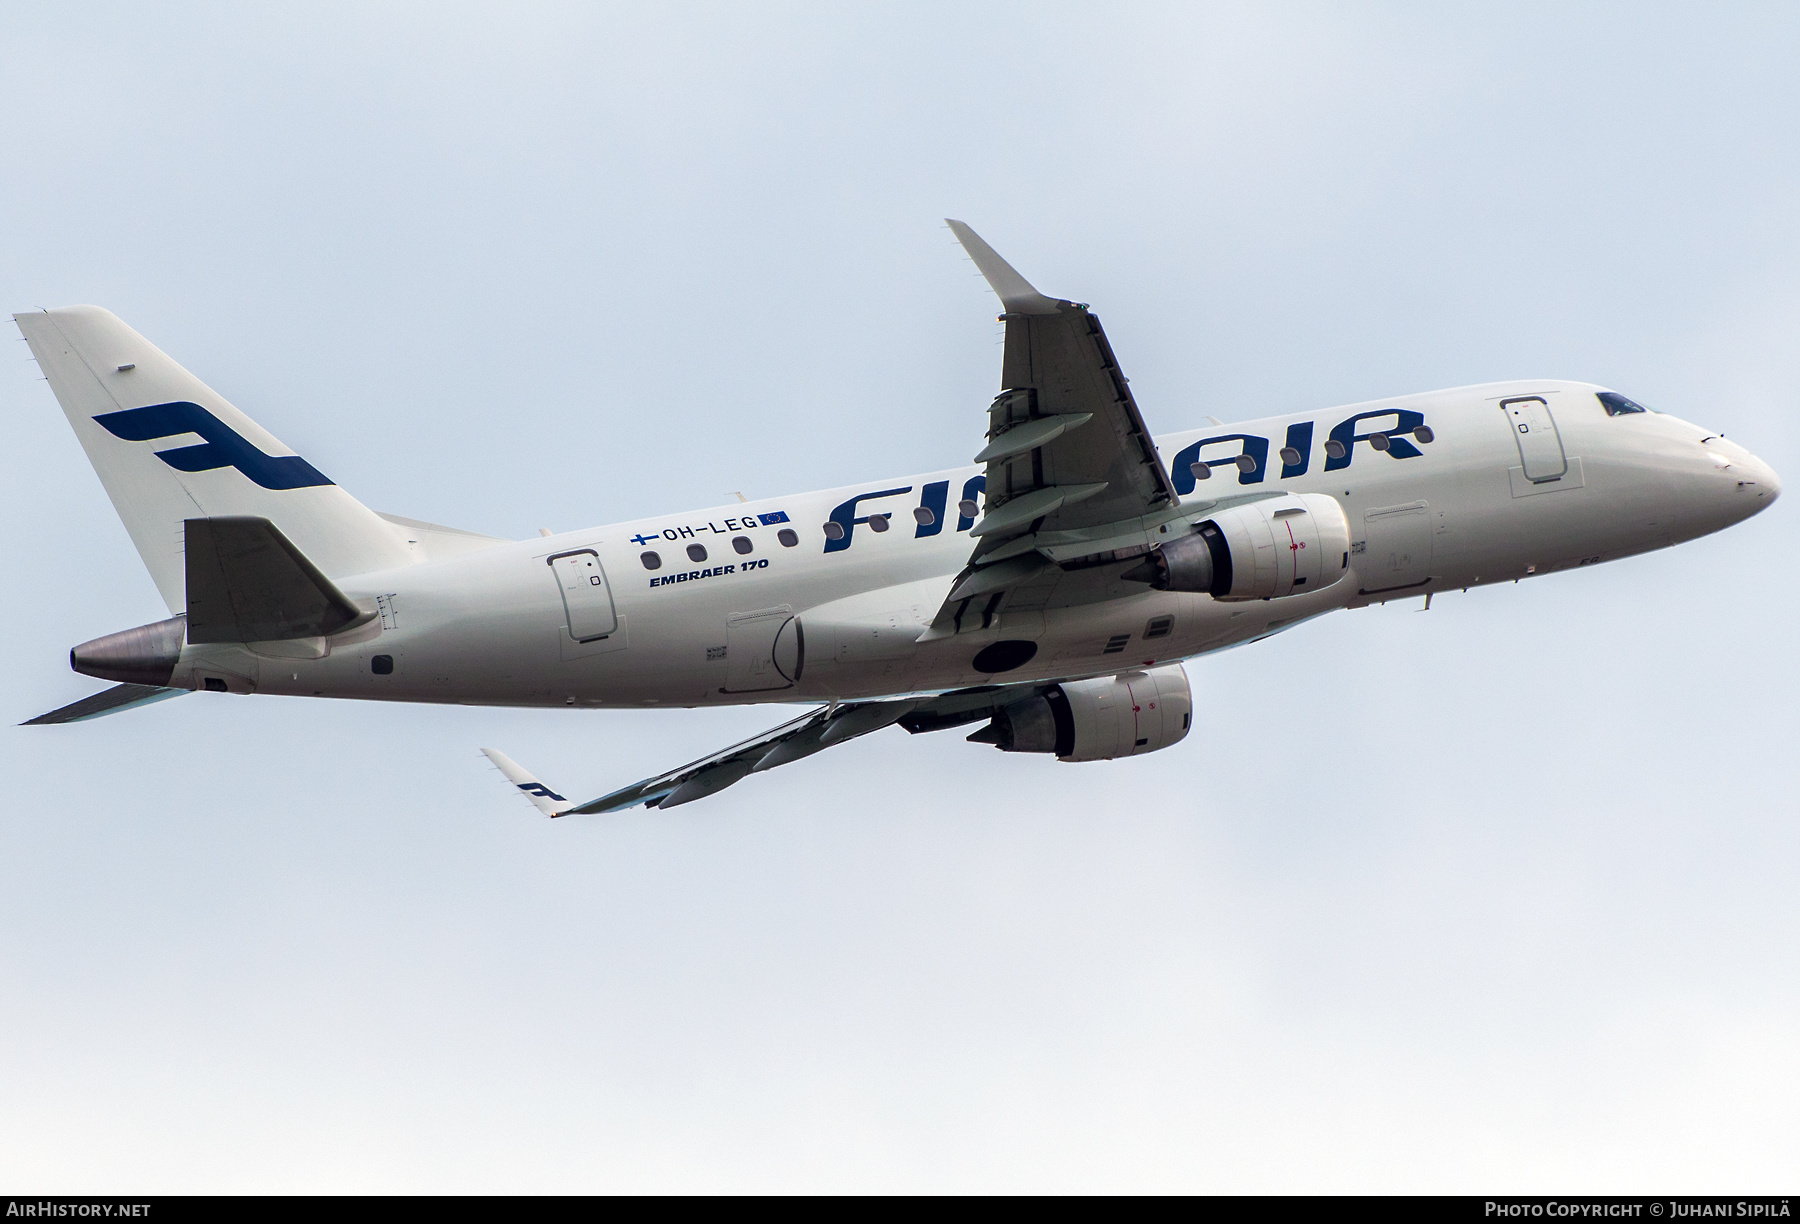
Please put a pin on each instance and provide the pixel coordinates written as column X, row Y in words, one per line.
column 1395, row 551
column 1534, row 429
column 587, row 599
column 750, row 651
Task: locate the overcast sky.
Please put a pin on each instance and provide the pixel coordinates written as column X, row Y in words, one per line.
column 1494, row 897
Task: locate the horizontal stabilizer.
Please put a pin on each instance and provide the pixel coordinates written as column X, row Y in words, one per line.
column 542, row 797
column 110, row 701
column 247, row 583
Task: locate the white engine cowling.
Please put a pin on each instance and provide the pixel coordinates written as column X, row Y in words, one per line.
column 1280, row 546
column 1097, row 720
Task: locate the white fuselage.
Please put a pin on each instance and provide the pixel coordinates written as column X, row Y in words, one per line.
column 481, row 622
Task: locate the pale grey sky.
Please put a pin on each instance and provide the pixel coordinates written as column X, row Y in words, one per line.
column 1497, row 897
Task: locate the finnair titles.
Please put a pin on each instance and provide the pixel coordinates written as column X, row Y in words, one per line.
column 1046, row 596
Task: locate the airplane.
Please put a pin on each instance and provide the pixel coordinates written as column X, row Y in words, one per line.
column 1050, row 591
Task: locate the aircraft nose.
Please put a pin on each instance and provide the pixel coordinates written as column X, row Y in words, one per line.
column 1771, row 482
column 1754, row 484
column 1757, row 479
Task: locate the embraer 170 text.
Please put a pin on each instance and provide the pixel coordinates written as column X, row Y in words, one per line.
column 1049, row 592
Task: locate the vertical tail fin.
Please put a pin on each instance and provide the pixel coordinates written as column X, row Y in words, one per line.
column 169, row 448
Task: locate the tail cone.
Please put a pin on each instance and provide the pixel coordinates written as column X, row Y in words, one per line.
column 145, row 655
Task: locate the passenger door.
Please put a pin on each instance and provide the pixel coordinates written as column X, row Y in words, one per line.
column 587, row 599
column 1534, row 429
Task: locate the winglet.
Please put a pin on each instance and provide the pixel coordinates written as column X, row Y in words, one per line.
column 1016, row 293
column 546, row 800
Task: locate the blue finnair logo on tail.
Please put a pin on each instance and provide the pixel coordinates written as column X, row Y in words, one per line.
column 224, row 446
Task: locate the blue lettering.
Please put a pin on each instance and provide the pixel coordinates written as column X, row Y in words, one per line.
column 1257, row 448
column 716, row 571
column 845, row 516
column 1345, row 435
column 1299, row 438
column 224, row 446
column 932, row 498
column 973, row 487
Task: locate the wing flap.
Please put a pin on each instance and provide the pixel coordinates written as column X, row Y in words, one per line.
column 1031, row 434
column 1034, row 504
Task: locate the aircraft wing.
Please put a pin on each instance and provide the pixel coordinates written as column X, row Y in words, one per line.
column 1072, row 474
column 813, row 731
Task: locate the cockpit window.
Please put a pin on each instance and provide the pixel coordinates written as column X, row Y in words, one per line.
column 1618, row 405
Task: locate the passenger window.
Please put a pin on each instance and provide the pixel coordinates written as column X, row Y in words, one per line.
column 878, row 522
column 742, row 543
column 924, row 516
column 1159, row 626
column 651, row 560
column 788, row 537
column 1618, row 405
column 696, row 552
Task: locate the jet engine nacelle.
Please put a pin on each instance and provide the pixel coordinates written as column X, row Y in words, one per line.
column 1097, row 720
column 1267, row 549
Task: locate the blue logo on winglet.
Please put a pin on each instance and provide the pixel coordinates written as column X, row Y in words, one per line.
column 224, row 446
